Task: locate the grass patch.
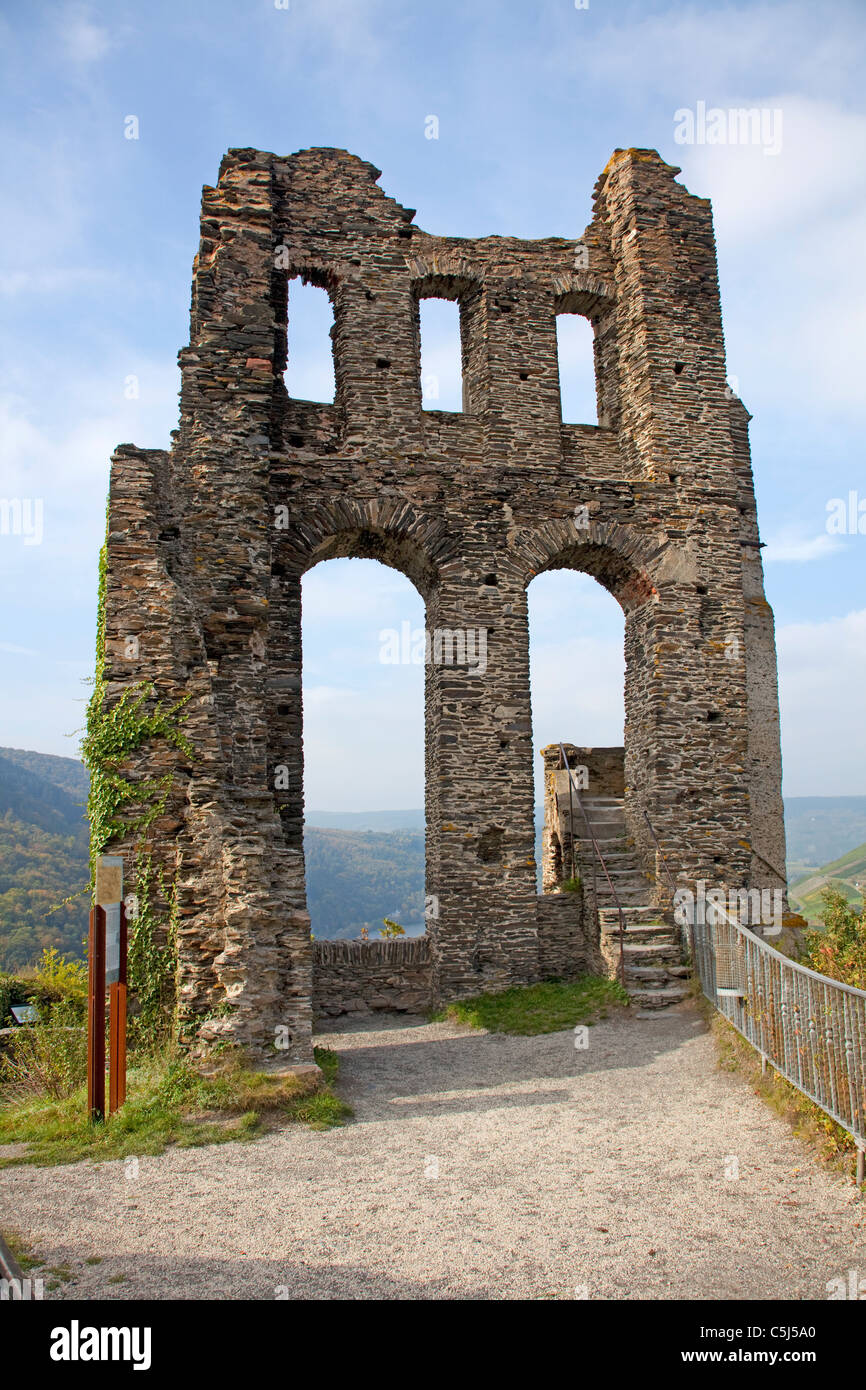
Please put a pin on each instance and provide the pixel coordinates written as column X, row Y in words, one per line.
column 547, row 1007
column 829, row 1142
column 20, row 1247
column 170, row 1102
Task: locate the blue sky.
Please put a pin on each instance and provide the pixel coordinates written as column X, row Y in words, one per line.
column 99, row 231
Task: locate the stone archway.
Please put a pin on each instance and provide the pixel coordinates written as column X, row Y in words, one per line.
column 657, row 501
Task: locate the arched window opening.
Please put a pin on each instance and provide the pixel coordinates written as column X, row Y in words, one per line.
column 363, row 712
column 577, row 387
column 309, row 374
column 577, row 679
column 441, row 355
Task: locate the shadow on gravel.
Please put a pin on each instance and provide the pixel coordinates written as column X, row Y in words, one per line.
column 180, row 1278
column 383, row 1065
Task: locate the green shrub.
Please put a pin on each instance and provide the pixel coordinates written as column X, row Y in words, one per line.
column 840, row 949
column 48, row 1058
column 391, row 928
column 14, row 990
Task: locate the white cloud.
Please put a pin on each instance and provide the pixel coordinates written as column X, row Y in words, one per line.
column 363, row 749
column 343, row 590
column 83, row 40
column 55, row 282
column 811, row 184
column 822, row 676
column 10, row 649
column 578, row 692
column 788, row 230
column 793, row 547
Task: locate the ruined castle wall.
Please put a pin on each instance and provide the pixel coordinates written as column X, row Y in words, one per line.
column 368, row 976
column 259, row 488
column 567, row 936
column 759, row 656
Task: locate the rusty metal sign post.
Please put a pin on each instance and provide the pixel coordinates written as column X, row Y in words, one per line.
column 107, row 967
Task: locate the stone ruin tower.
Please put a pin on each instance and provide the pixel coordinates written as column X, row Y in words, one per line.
column 208, row 542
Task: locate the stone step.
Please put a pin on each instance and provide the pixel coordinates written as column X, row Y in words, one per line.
column 659, row 998
column 646, row 952
column 625, row 861
column 672, row 946
column 609, row 917
column 608, row 844
column 627, row 901
column 656, row 974
column 647, row 975
column 658, row 932
column 620, row 854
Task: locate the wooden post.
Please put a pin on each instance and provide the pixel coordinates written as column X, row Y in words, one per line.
column 117, row 1028
column 96, row 1016
column 861, row 1166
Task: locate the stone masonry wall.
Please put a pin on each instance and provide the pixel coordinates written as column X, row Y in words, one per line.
column 366, row 976
column 209, row 541
column 568, row 936
column 604, row 777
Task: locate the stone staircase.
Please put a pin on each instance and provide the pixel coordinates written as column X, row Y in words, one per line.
column 655, row 974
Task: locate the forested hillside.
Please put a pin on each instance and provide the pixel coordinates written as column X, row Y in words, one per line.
column 355, row 878
column 361, row 866
column 43, row 856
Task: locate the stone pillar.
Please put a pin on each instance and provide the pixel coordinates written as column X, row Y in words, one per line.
column 768, row 868
column 481, row 863
column 243, row 874
column 686, row 705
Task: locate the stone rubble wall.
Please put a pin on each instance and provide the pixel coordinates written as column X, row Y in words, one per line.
column 568, row 936
column 365, row 976
column 209, row 542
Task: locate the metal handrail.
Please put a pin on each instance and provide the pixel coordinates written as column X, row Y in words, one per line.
column 571, row 782
column 660, row 850
column 809, row 1027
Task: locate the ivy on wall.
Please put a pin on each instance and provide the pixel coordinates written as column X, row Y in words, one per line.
column 117, row 808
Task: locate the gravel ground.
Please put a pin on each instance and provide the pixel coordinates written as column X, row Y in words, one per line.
column 478, row 1166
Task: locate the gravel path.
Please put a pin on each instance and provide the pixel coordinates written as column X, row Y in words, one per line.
column 478, row 1166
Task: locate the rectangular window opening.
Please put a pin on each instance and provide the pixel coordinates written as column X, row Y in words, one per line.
column 309, row 374
column 577, row 389
column 441, row 355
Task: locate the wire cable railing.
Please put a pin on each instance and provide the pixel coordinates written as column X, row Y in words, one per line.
column 809, row 1028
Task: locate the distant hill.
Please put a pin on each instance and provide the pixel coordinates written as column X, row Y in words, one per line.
column 361, row 865
column 355, row 878
column 820, row 828
column 67, row 773
column 366, row 820
column 43, row 791
column 43, row 855
column 847, row 875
